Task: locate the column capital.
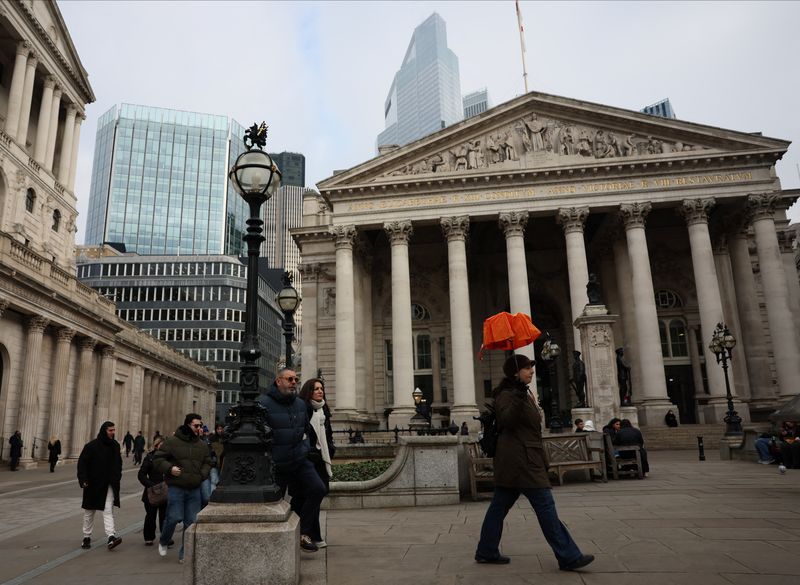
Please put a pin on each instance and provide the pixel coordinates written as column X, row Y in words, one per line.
column 696, row 211
column 761, row 206
column 399, row 232
column 455, row 228
column 72, row 110
column 634, row 214
column 108, row 351
column 57, row 91
column 87, row 343
column 572, row 219
column 309, row 272
column 65, row 334
column 513, row 223
column 3, row 306
column 49, row 82
column 33, row 59
column 37, row 323
column 345, row 236
column 23, row 48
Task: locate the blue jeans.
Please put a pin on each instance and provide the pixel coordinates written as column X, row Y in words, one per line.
column 182, row 506
column 541, row 500
column 762, row 446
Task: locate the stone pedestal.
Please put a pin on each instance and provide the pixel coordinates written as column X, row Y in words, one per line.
column 244, row 544
column 631, row 413
column 597, row 341
column 585, row 414
column 401, row 417
column 717, row 408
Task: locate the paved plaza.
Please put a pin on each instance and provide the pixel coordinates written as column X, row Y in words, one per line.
column 712, row 522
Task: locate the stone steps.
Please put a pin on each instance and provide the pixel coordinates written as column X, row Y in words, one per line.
column 682, row 437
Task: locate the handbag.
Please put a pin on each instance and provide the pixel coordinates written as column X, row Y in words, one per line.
column 157, row 494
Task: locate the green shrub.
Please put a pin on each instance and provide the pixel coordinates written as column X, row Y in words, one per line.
column 360, row 470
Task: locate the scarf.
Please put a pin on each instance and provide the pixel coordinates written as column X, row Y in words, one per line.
column 318, row 424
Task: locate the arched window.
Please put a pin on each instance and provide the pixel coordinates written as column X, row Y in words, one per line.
column 56, row 220
column 667, row 299
column 30, row 200
column 420, row 312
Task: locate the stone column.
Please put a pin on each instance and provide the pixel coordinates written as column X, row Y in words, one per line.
column 28, row 416
column 84, row 403
column 359, row 326
column 368, row 350
column 147, row 410
column 161, row 399
column 651, row 396
column 309, row 274
column 16, row 91
column 106, row 387
column 630, row 341
column 572, row 220
column 345, row 321
column 65, row 162
column 42, row 130
column 53, row 129
column 695, row 213
column 464, row 408
column 27, row 99
column 76, row 138
column 697, row 369
column 790, row 268
column 776, row 294
column 58, row 402
column 399, row 233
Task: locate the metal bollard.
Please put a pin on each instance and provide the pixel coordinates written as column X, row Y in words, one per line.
column 700, row 448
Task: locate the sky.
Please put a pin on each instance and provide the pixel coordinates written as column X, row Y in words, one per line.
column 318, row 72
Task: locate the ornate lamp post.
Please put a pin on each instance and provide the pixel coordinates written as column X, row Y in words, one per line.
column 423, row 410
column 288, row 299
column 722, row 344
column 550, row 353
column 247, row 476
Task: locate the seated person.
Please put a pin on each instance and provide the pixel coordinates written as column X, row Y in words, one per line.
column 789, row 445
column 670, row 419
column 630, row 435
column 579, row 426
column 764, row 445
column 588, row 427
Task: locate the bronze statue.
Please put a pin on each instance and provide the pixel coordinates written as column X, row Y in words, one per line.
column 623, row 378
column 579, row 379
column 593, row 290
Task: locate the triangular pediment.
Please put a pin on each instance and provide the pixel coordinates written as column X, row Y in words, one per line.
column 539, row 132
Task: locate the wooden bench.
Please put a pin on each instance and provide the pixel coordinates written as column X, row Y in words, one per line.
column 619, row 465
column 570, row 452
column 481, row 472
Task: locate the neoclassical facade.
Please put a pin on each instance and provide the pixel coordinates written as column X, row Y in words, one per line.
column 684, row 225
column 67, row 363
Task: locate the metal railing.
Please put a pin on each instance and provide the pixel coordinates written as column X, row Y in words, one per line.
column 387, row 436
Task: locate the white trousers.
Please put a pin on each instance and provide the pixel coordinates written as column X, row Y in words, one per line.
column 108, row 516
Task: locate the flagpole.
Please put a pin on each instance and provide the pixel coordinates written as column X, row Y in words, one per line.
column 522, row 46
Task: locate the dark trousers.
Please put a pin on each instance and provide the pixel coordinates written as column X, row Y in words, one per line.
column 299, row 500
column 541, row 500
column 303, row 482
column 53, row 466
column 14, row 463
column 150, row 512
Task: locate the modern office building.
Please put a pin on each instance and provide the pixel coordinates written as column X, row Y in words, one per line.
column 196, row 304
column 425, row 95
column 281, row 213
column 159, row 182
column 292, row 166
column 662, row 109
column 476, row 103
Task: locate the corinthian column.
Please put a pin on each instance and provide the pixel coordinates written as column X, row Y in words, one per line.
column 76, row 137
column 53, row 129
column 27, row 98
column 58, row 402
column 43, row 127
column 29, row 403
column 15, row 93
column 572, row 220
column 652, row 396
column 464, row 408
column 160, row 382
column 106, row 388
column 622, row 264
column 82, row 413
column 345, row 321
column 147, row 408
column 399, row 233
column 65, row 161
column 776, row 293
column 308, row 344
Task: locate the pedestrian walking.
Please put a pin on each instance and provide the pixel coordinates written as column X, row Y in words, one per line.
column 128, row 442
column 184, row 460
column 54, row 451
column 207, row 487
column 16, row 449
column 99, row 475
column 138, row 448
column 520, row 467
column 148, row 476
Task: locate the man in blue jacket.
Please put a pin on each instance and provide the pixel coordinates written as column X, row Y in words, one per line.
column 288, row 417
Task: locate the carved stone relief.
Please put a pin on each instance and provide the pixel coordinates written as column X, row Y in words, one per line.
column 536, row 139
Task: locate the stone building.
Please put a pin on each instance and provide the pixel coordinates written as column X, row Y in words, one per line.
column 405, row 255
column 67, row 363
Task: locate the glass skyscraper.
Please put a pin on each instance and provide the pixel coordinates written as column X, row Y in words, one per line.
column 426, row 92
column 476, row 103
column 292, row 166
column 159, row 182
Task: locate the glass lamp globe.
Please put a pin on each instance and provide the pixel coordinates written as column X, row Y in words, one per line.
column 254, row 173
column 288, row 299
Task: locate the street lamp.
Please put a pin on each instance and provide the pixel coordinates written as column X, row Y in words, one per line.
column 246, row 476
column 423, row 410
column 550, row 353
column 288, row 299
column 722, row 344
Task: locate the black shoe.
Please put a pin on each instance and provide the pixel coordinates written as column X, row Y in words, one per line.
column 87, row 542
column 581, row 561
column 307, row 544
column 498, row 560
column 113, row 542
column 170, row 543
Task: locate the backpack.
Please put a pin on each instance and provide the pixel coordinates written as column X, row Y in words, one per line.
column 488, row 420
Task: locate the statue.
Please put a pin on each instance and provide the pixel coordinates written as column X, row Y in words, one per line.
column 536, row 129
column 593, row 290
column 579, row 379
column 623, row 379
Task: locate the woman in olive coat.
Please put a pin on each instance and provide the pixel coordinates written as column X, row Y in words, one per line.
column 520, row 467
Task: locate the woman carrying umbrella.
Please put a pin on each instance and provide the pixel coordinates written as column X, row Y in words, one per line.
column 520, row 467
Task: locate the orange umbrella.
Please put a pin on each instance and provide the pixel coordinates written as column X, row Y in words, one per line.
column 506, row 331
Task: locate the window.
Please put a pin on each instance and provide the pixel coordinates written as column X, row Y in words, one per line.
column 674, row 341
column 667, row 299
column 30, row 200
column 56, row 220
column 419, row 312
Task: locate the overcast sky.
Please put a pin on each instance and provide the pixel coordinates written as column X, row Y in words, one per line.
column 319, row 72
